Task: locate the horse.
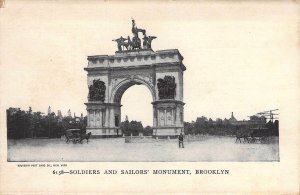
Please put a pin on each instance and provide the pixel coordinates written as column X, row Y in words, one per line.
column 128, row 44
column 246, row 135
column 85, row 136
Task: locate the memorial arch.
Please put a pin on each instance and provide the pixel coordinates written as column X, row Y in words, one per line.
column 109, row 76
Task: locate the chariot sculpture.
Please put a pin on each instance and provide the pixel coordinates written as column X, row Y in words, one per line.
column 128, row 44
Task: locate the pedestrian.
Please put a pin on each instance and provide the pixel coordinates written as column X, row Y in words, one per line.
column 180, row 139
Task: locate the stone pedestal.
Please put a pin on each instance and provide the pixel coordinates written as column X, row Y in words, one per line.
column 102, row 119
column 168, row 118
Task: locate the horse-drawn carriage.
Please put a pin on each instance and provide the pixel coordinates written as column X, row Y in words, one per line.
column 76, row 136
column 261, row 135
column 253, row 135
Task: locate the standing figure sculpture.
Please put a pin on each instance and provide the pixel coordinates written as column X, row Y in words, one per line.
column 150, row 39
column 135, row 30
column 136, row 41
column 145, row 42
column 129, row 43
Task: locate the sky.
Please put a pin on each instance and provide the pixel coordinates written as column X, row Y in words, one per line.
column 241, row 57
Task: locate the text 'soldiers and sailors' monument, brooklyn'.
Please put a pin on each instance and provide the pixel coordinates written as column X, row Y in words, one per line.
column 135, row 63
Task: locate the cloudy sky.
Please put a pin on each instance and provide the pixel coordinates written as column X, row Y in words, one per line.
column 240, row 57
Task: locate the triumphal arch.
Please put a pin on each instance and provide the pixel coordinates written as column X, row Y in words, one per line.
column 135, row 63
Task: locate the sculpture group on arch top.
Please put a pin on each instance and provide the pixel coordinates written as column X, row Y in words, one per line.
column 134, row 44
column 166, row 86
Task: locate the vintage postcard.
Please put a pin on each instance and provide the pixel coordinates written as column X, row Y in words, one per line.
column 166, row 97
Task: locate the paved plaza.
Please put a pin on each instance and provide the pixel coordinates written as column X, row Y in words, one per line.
column 211, row 148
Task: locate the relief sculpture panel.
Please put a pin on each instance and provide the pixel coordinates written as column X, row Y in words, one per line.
column 166, row 87
column 97, row 91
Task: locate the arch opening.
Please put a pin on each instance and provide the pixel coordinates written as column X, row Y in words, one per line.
column 120, row 89
column 136, row 105
column 136, row 102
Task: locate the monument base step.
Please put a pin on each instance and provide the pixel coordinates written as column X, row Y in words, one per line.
column 167, row 131
column 104, row 132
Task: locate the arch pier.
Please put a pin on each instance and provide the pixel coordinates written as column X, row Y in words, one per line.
column 109, row 76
